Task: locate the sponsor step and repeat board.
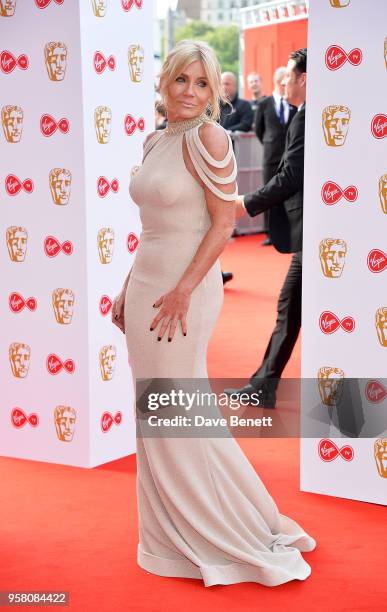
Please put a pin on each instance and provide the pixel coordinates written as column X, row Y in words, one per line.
column 345, row 250
column 76, row 98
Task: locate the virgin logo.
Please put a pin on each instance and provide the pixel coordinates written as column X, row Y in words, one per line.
column 331, row 193
column 128, row 4
column 132, row 242
column 108, row 419
column 336, row 57
column 131, row 124
column 105, row 305
column 48, row 125
column 375, row 391
column 330, row 323
column 377, row 261
column 8, row 62
column 17, row 303
column 379, row 126
column 55, row 365
column 103, row 186
column 52, row 246
column 42, row 4
column 13, row 185
column 19, row 418
column 329, row 451
column 100, row 62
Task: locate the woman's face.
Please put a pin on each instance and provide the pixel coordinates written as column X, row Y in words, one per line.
column 189, row 94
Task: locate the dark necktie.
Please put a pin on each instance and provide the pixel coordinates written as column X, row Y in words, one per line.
column 282, row 112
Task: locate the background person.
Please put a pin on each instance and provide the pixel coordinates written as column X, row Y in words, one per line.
column 272, row 119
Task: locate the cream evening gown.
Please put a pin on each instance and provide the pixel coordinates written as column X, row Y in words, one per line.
column 203, row 510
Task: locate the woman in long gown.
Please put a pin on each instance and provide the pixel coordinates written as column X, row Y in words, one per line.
column 203, row 511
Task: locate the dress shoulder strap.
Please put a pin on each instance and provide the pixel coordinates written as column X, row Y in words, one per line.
column 204, row 164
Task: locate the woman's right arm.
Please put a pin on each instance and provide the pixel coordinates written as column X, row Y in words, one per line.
column 118, row 307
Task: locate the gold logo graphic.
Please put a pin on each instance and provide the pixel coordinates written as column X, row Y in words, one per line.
column 99, row 7
column 60, row 185
column 16, row 238
column 63, row 305
column 332, row 256
column 136, row 62
column 12, row 120
column 340, row 3
column 7, row 8
column 65, row 417
column 383, row 192
column 330, row 385
column 335, row 122
column 381, row 324
column 19, row 358
column 55, row 56
column 103, row 123
column 107, row 361
column 105, row 242
column 380, row 452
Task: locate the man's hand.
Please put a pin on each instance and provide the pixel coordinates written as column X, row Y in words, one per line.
column 239, row 207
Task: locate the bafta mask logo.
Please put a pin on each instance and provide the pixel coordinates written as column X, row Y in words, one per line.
column 12, row 120
column 330, row 385
column 99, row 7
column 136, row 62
column 63, row 305
column 332, row 256
column 16, row 238
column 7, row 8
column 335, row 122
column 340, row 3
column 64, row 418
column 60, row 185
column 107, row 361
column 103, row 123
column 105, row 243
column 383, row 192
column 381, row 325
column 55, row 56
column 380, row 453
column 19, row 358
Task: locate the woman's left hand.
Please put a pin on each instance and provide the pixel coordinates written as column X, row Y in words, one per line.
column 173, row 308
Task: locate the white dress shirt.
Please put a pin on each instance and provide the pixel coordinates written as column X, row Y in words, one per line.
column 277, row 102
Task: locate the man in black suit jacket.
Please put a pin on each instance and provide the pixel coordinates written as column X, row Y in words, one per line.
column 239, row 116
column 272, row 119
column 283, row 197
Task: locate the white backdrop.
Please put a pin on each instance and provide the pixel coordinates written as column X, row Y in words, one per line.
column 344, row 330
column 76, row 93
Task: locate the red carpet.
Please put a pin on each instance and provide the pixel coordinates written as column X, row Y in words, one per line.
column 76, row 529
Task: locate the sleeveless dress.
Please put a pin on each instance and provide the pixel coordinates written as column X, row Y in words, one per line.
column 203, row 510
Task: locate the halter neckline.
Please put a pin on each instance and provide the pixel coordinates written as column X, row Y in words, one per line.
column 179, row 127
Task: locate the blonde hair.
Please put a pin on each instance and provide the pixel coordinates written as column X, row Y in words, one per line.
column 183, row 54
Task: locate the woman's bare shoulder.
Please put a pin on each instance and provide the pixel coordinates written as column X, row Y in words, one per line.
column 215, row 140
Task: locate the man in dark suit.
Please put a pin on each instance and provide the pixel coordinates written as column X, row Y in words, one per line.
column 238, row 117
column 272, row 119
column 283, row 197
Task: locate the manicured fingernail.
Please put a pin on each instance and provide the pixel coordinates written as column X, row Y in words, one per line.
column 154, row 305
column 159, row 338
column 151, row 329
column 169, row 339
column 184, row 334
